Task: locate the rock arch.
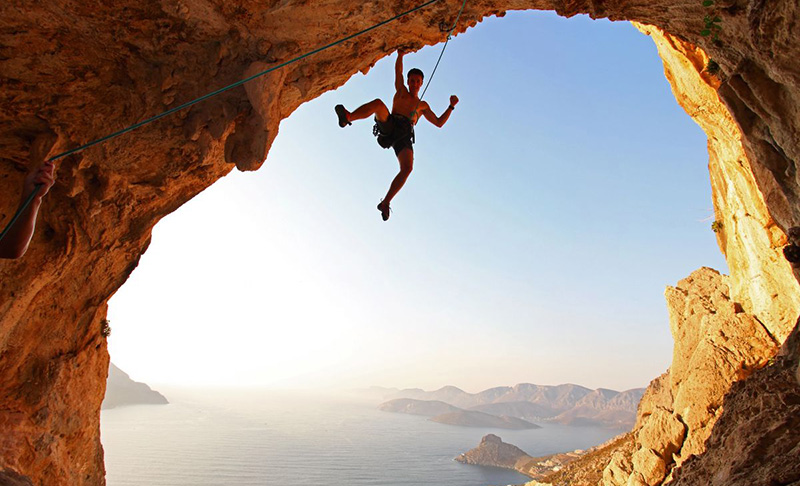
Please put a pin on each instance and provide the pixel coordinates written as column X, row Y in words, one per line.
column 125, row 60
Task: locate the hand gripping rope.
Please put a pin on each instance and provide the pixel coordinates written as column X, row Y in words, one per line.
column 27, row 201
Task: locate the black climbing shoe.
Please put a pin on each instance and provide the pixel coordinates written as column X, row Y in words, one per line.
column 385, row 210
column 342, row 114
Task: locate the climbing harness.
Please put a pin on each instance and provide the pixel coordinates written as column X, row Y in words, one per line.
column 396, row 128
column 30, row 198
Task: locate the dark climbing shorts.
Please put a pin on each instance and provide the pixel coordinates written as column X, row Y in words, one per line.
column 396, row 132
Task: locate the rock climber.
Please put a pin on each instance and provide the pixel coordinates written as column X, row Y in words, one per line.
column 16, row 241
column 396, row 129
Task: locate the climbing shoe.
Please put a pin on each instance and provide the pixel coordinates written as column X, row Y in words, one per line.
column 342, row 114
column 385, row 210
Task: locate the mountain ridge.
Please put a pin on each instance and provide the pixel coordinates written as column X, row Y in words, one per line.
column 566, row 403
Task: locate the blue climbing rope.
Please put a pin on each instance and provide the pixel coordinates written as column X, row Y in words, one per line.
column 30, row 198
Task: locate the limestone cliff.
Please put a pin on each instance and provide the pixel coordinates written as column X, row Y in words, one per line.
column 704, row 422
column 73, row 71
column 724, row 327
column 588, row 469
column 761, row 278
column 756, row 441
column 716, row 343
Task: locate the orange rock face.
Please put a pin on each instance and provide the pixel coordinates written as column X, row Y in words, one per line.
column 761, row 279
column 724, row 327
column 757, row 437
column 72, row 71
column 716, row 344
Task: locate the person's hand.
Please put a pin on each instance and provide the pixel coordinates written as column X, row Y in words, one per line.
column 401, row 52
column 44, row 175
column 453, row 100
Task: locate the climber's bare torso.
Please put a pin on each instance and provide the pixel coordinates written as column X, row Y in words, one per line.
column 406, row 104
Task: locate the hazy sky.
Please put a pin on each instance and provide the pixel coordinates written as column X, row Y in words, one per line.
column 532, row 242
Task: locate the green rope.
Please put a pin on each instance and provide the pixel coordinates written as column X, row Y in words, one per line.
column 430, row 78
column 238, row 83
column 21, row 210
column 27, row 202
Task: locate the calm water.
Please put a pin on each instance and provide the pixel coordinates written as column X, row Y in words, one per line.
column 277, row 438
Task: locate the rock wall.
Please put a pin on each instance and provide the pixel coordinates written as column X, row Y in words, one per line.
column 724, row 327
column 761, row 279
column 71, row 71
column 756, row 441
column 716, row 344
column 589, row 470
column 718, row 416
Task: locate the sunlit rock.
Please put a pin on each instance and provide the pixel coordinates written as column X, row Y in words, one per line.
column 72, row 72
column 756, row 439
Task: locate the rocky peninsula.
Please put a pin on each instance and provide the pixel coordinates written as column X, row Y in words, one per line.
column 122, row 390
column 579, row 467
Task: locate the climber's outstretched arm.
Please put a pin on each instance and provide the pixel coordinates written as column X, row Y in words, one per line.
column 439, row 121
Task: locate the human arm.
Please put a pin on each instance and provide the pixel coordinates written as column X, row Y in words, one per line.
column 399, row 82
column 439, row 121
column 16, row 241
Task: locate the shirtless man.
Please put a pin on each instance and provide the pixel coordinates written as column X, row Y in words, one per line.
column 396, row 129
column 15, row 243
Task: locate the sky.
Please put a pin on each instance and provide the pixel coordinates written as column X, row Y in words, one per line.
column 531, row 244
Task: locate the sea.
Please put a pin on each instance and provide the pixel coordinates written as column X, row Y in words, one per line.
column 263, row 437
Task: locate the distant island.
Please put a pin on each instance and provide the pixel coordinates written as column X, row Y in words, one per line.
column 121, row 390
column 471, row 418
column 520, row 406
column 445, row 413
column 429, row 408
column 492, row 451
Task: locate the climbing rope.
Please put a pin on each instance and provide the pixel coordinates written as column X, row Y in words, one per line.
column 30, row 198
column 449, row 36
